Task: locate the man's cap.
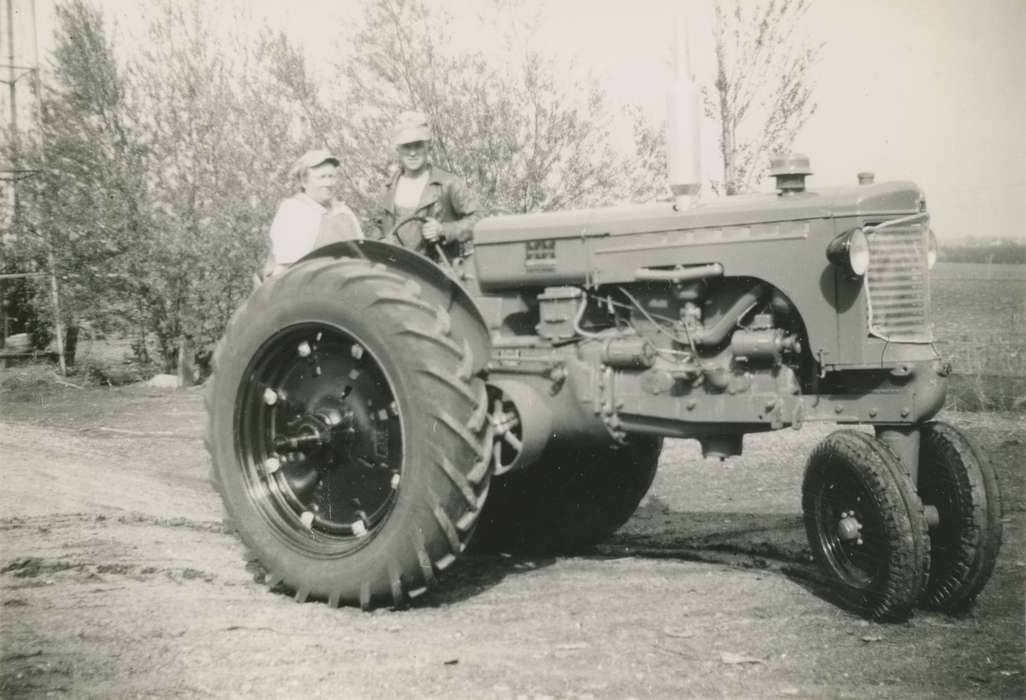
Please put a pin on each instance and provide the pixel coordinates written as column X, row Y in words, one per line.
column 410, row 127
column 311, row 159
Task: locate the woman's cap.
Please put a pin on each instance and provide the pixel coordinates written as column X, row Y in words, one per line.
column 311, row 159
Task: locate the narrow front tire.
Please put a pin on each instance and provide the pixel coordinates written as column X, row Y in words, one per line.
column 956, row 479
column 866, row 525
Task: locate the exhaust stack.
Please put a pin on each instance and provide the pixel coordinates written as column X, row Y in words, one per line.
column 683, row 135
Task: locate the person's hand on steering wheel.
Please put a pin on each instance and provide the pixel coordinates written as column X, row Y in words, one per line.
column 432, row 231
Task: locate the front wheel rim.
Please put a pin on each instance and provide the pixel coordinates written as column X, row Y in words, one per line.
column 851, row 533
column 319, row 439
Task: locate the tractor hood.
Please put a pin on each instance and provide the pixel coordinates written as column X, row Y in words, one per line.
column 879, row 200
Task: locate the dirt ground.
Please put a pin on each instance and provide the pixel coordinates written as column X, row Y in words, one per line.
column 117, row 580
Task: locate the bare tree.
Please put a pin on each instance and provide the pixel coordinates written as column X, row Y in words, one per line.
column 763, row 95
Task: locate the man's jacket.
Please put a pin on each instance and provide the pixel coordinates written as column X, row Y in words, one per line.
column 445, row 198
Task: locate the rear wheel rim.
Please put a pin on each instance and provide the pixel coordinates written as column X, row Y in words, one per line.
column 319, row 439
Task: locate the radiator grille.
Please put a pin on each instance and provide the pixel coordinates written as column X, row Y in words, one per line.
column 897, row 286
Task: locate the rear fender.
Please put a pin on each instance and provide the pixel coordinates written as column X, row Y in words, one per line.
column 437, row 288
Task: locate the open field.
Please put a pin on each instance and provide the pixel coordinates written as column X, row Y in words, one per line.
column 979, row 316
column 971, row 298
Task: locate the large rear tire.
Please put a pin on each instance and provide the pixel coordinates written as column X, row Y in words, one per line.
column 961, row 484
column 570, row 499
column 348, row 433
column 866, row 525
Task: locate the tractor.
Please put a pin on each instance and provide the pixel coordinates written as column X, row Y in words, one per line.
column 372, row 413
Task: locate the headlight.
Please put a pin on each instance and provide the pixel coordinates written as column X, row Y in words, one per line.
column 931, row 250
column 850, row 252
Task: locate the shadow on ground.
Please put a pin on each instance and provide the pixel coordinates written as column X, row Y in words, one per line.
column 770, row 542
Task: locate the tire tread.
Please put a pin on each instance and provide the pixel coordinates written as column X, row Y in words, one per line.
column 423, row 335
column 955, row 583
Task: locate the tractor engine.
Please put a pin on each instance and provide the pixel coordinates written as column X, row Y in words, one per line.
column 715, row 321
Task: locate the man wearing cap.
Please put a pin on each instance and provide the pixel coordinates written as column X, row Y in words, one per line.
column 444, row 207
column 312, row 217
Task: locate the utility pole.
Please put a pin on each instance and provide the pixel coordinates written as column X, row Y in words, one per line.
column 13, row 130
column 15, row 173
column 12, row 85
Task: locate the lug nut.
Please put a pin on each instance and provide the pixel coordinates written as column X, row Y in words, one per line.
column 270, row 396
column 356, row 351
column 272, row 464
column 304, row 349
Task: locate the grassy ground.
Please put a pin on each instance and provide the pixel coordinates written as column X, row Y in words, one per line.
column 979, row 316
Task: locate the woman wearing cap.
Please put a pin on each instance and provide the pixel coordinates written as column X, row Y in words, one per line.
column 312, row 217
column 449, row 208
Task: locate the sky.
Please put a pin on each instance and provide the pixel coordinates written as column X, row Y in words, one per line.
column 932, row 91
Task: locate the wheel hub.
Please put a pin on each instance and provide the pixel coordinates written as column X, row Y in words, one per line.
column 323, row 426
column 849, row 529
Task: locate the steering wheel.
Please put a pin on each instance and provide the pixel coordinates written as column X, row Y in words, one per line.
column 394, row 233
